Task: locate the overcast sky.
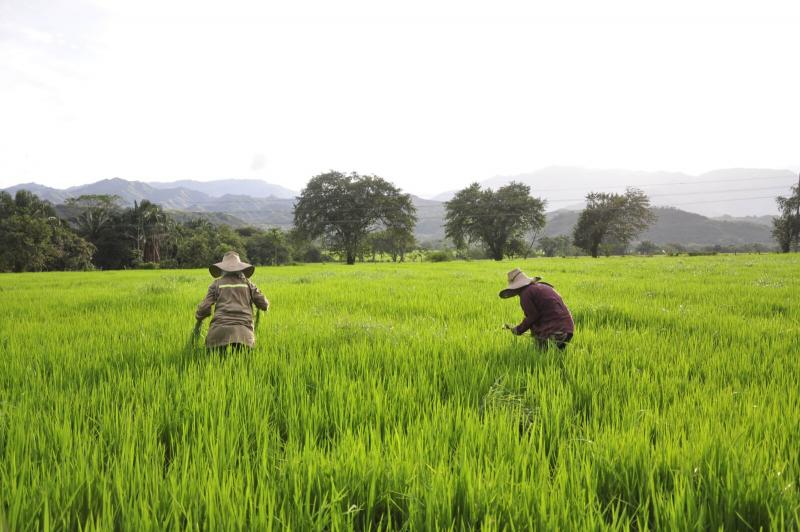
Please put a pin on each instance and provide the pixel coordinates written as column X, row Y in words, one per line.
column 429, row 95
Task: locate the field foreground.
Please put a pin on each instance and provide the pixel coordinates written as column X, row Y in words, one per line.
column 387, row 396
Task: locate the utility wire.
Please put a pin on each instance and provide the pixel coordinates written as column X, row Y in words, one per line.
column 496, row 215
column 739, row 179
column 220, row 202
column 503, row 215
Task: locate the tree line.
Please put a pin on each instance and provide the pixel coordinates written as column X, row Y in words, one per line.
column 337, row 216
column 786, row 227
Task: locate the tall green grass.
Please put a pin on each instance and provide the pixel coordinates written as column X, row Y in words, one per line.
column 387, row 397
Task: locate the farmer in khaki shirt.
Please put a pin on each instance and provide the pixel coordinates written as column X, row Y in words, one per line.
column 232, row 295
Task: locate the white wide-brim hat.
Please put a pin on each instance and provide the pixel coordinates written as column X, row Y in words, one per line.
column 516, row 280
column 231, row 264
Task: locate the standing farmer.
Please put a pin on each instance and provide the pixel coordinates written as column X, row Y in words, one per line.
column 546, row 315
column 232, row 295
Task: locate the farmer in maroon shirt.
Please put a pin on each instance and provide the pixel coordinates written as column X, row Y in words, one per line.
column 546, row 315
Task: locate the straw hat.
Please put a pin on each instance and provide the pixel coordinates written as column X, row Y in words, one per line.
column 231, row 264
column 516, row 280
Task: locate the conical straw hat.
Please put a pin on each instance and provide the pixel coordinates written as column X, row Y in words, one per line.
column 231, row 264
column 516, row 280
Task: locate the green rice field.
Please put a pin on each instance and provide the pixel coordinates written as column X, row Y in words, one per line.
column 387, row 396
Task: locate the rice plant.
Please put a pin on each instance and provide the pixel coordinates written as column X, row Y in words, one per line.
column 387, row 396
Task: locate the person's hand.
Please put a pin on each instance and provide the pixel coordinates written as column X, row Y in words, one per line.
column 510, row 328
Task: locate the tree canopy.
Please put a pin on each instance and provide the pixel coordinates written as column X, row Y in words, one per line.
column 497, row 219
column 344, row 208
column 33, row 238
column 612, row 220
column 786, row 227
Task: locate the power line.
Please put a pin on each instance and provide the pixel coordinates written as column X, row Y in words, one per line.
column 563, row 200
column 739, row 179
column 502, row 215
column 221, row 202
column 695, row 193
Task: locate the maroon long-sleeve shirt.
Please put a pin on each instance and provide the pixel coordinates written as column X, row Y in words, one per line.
column 545, row 311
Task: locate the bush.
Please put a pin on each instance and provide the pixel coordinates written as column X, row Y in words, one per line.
column 439, row 256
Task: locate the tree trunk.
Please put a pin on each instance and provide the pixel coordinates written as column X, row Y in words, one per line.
column 595, row 249
column 351, row 256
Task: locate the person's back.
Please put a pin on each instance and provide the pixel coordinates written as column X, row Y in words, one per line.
column 541, row 300
column 546, row 315
column 234, row 300
column 232, row 295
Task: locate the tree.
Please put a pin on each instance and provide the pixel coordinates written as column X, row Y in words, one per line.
column 786, row 227
column 148, row 227
column 612, row 219
column 394, row 241
column 646, row 247
column 268, row 247
column 497, row 219
column 99, row 218
column 199, row 243
column 304, row 249
column 32, row 237
column 343, row 209
column 95, row 214
column 69, row 251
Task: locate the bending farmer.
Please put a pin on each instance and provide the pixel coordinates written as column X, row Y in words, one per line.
column 546, row 315
column 232, row 295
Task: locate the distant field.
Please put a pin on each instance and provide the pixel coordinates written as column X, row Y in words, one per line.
column 386, row 396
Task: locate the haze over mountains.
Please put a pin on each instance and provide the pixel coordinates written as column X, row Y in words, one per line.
column 735, row 192
column 743, row 198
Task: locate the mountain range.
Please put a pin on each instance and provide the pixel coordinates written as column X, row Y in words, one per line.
column 736, row 192
column 728, row 206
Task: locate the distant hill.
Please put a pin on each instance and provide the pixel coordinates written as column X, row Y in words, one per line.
column 215, row 202
column 237, row 209
column 180, row 195
column 761, row 220
column 674, row 225
column 276, row 212
column 221, row 187
column 53, row 195
column 737, row 192
column 216, row 218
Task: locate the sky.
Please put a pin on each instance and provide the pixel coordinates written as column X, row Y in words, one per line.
column 430, row 95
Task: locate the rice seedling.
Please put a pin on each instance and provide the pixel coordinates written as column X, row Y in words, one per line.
column 385, row 396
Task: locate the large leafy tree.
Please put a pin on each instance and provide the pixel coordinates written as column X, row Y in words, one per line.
column 497, row 219
column 786, row 227
column 345, row 208
column 612, row 219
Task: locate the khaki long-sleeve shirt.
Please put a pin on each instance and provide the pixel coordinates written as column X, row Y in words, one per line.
column 232, row 297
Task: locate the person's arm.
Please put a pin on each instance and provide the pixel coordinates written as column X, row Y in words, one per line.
column 204, row 308
column 531, row 314
column 258, row 298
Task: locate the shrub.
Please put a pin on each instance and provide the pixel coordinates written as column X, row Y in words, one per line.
column 439, row 256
